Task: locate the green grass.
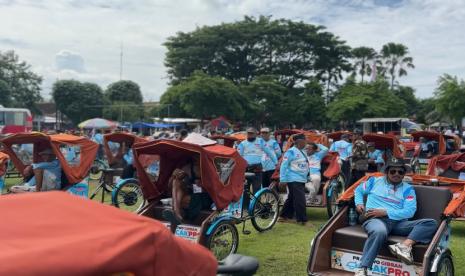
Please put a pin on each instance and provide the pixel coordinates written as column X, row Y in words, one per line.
column 285, row 249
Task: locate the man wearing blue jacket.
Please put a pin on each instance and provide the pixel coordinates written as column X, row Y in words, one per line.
column 344, row 148
column 294, row 172
column 390, row 203
column 375, row 158
column 267, row 163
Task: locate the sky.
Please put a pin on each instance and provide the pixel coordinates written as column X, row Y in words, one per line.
column 80, row 39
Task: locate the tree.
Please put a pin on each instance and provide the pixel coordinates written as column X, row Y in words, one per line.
column 124, row 91
column 407, row 94
column 205, row 97
column 24, row 85
column 427, row 113
column 293, row 52
column 396, row 60
column 5, row 93
column 362, row 57
column 78, row 101
column 356, row 101
column 450, row 98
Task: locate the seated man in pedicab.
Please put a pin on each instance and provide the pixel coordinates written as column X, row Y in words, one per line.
column 129, row 170
column 389, row 205
column 188, row 197
column 426, row 148
column 375, row 158
column 41, row 176
column 315, row 154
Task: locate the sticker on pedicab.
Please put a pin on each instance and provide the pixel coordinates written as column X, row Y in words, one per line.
column 80, row 189
column 350, row 262
column 313, row 201
column 224, row 168
column 188, row 232
column 234, row 209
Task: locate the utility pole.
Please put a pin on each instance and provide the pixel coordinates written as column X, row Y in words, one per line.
column 121, row 62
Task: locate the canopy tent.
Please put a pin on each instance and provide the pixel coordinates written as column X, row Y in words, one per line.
column 55, row 233
column 220, row 123
column 139, row 125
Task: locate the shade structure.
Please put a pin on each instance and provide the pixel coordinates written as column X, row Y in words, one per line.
column 98, row 123
column 54, row 233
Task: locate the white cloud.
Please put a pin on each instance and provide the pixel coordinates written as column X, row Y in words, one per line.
column 38, row 30
column 68, row 60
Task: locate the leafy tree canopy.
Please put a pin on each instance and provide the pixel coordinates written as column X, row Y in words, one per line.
column 124, row 91
column 450, row 98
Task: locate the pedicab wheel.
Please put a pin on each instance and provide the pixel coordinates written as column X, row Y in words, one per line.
column 96, row 170
column 445, row 266
column 128, row 196
column 265, row 210
column 415, row 165
column 224, row 240
column 331, row 201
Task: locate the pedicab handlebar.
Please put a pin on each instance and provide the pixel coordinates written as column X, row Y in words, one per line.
column 236, row 264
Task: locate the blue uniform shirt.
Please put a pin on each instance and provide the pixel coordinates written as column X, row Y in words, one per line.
column 400, row 203
column 343, row 148
column 98, row 138
column 129, row 157
column 314, row 160
column 267, row 163
column 52, row 174
column 294, row 167
column 376, row 155
column 253, row 152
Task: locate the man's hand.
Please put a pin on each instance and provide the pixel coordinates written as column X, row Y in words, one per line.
column 376, row 213
column 360, row 209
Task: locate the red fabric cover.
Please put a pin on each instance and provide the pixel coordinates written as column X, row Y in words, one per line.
column 55, row 233
column 443, row 162
column 228, row 140
column 42, row 141
column 385, row 141
column 118, row 137
column 174, row 154
column 336, row 136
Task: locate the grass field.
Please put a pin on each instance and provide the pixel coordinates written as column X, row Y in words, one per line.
column 284, row 250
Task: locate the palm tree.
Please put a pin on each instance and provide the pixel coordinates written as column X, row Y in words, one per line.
column 396, row 60
column 363, row 56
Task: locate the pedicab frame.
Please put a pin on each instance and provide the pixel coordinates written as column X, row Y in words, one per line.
column 431, row 259
column 74, row 178
column 417, row 163
column 225, row 188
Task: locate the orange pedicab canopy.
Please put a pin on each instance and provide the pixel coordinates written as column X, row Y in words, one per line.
column 84, row 237
column 119, row 137
column 3, row 162
column 172, row 154
column 441, row 163
column 431, row 135
column 75, row 174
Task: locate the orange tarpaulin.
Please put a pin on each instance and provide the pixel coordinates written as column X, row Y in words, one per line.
column 174, row 154
column 309, row 137
column 119, row 137
column 75, row 174
column 3, row 163
column 441, row 163
column 54, row 233
column 336, row 136
column 456, row 207
column 227, row 140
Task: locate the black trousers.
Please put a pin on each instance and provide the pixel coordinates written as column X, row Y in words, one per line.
column 266, row 178
column 356, row 175
column 295, row 202
column 345, row 169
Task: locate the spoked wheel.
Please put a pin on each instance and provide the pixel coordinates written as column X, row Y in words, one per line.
column 445, row 266
column 415, row 165
column 96, row 169
column 265, row 211
column 337, row 190
column 128, row 196
column 224, row 240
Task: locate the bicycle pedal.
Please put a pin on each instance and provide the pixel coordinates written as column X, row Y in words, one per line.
column 246, row 232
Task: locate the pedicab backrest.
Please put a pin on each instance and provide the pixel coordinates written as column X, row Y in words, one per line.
column 74, row 173
column 225, row 140
column 174, row 154
column 431, row 135
column 120, row 138
column 386, row 142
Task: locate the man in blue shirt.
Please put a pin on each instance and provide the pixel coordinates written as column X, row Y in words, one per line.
column 375, row 158
column 294, row 172
column 252, row 150
column 267, row 163
column 344, row 148
column 390, row 203
column 316, row 153
column 47, row 173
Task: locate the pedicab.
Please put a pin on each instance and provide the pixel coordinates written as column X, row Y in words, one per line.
column 451, row 166
column 74, row 153
column 337, row 247
column 282, row 136
column 419, row 161
column 389, row 144
column 222, row 174
column 226, row 140
column 453, row 143
column 4, row 158
column 332, row 179
column 83, row 237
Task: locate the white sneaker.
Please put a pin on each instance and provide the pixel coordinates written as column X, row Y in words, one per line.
column 403, row 252
column 361, row 272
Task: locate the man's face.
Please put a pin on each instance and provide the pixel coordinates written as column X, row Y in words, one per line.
column 48, row 157
column 266, row 136
column 310, row 149
column 301, row 143
column 251, row 135
column 395, row 174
